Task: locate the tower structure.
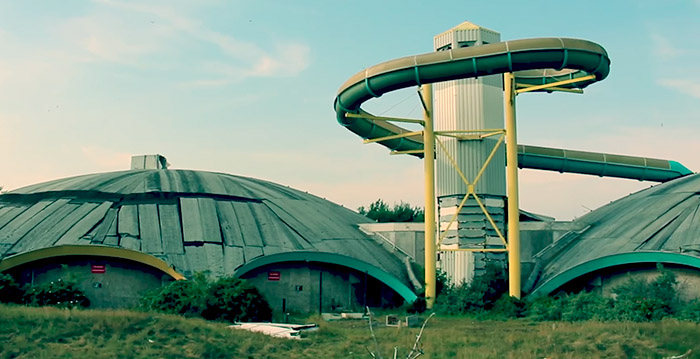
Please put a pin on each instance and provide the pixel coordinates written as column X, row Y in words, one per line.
column 474, row 104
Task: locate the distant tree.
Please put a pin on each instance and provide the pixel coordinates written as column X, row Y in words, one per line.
column 380, row 211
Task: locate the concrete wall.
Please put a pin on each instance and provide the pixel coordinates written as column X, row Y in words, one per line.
column 408, row 238
column 120, row 286
column 607, row 280
column 302, row 286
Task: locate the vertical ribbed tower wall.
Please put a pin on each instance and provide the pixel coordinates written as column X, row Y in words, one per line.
column 469, row 104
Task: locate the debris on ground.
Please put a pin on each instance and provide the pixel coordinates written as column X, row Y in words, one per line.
column 278, row 330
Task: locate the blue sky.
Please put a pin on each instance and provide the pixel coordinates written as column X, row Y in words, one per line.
column 246, row 87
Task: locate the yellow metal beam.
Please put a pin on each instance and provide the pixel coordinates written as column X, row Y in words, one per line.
column 393, row 137
column 407, row 152
column 488, row 159
column 382, row 118
column 558, row 89
column 553, row 84
column 429, row 169
column 473, row 249
column 496, row 130
column 512, row 184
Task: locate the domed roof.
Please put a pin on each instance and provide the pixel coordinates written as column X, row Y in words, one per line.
column 193, row 220
column 657, row 224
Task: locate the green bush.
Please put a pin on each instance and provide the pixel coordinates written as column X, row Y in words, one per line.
column 508, row 307
column 233, row 300
column 60, row 293
column 640, row 300
column 230, row 299
column 10, row 291
column 587, row 306
column 184, row 297
column 545, row 308
column 475, row 297
column 689, row 311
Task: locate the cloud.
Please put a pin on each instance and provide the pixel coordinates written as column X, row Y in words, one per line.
column 242, row 59
column 664, row 49
column 688, row 87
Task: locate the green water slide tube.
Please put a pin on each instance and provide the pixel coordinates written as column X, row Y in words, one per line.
column 533, row 62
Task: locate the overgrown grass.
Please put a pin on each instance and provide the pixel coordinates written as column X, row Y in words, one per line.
column 70, row 333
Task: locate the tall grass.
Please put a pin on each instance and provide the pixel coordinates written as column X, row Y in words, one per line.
column 70, row 333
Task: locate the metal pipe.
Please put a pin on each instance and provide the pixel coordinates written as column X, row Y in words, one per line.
column 429, row 168
column 512, row 183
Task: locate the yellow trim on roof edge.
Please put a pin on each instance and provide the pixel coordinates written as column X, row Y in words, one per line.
column 89, row 250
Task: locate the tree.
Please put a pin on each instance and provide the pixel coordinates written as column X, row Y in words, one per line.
column 401, row 212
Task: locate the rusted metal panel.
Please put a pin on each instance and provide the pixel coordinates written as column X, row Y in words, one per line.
column 209, row 220
column 128, row 221
column 197, row 258
column 215, row 258
column 8, row 213
column 149, row 228
column 103, row 228
column 230, row 228
column 252, row 252
column 248, row 224
column 31, row 223
column 233, row 258
column 170, row 228
column 90, row 214
column 46, row 232
column 191, row 221
column 20, row 221
column 130, row 242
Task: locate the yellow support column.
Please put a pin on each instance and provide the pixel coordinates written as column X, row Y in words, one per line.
column 429, row 167
column 512, row 180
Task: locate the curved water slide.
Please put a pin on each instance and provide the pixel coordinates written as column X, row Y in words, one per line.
column 534, row 62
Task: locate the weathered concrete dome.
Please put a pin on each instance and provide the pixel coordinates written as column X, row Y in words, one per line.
column 660, row 224
column 182, row 222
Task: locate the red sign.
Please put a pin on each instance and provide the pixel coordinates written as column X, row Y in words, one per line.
column 273, row 276
column 98, row 268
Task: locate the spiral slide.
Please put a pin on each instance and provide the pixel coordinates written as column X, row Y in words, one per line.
column 534, row 62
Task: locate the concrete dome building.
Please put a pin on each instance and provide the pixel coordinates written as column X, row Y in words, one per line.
column 119, row 234
column 626, row 237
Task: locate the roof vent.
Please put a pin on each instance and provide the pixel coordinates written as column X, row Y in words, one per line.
column 149, row 162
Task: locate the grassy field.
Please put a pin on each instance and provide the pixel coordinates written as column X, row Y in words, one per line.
column 55, row 333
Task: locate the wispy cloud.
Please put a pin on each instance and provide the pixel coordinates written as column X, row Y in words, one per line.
column 664, row 48
column 688, row 87
column 242, row 58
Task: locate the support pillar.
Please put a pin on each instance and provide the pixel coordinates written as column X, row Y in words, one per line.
column 429, row 167
column 512, row 184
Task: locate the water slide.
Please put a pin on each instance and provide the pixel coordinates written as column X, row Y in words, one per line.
column 534, row 62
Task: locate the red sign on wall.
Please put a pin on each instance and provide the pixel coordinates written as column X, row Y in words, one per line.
column 98, row 268
column 273, row 275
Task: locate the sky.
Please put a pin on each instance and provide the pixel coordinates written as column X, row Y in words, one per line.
column 247, row 88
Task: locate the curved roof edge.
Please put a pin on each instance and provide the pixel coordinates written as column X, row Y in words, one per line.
column 570, row 274
column 308, row 256
column 91, row 250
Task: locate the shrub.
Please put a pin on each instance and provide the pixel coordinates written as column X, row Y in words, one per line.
column 10, row 292
column 60, row 293
column 587, row 306
column 641, row 300
column 689, row 311
column 234, row 299
column 545, row 308
column 184, row 297
column 474, row 297
column 230, row 299
column 508, row 307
